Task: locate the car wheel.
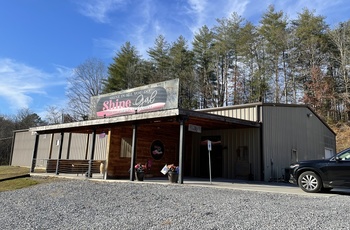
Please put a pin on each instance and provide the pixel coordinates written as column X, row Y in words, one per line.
column 310, row 182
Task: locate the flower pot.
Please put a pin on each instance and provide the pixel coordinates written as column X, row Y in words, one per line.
column 139, row 176
column 173, row 176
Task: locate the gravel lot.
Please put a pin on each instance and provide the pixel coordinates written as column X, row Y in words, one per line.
column 84, row 204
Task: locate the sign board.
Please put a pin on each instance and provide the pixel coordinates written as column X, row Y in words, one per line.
column 153, row 97
column 194, row 128
column 209, row 145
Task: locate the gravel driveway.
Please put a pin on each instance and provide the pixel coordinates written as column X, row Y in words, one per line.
column 84, row 204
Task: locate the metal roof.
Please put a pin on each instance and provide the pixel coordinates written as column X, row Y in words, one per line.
column 165, row 117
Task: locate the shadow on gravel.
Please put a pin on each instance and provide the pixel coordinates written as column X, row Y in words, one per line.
column 345, row 192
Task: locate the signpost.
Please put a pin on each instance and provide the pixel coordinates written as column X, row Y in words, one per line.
column 209, row 149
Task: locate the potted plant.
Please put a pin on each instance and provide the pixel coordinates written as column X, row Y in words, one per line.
column 140, row 171
column 172, row 171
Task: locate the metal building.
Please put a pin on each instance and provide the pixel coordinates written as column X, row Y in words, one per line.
column 288, row 133
column 278, row 135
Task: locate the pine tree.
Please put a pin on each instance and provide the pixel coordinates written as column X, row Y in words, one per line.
column 181, row 59
column 204, row 68
column 273, row 29
column 124, row 72
column 159, row 57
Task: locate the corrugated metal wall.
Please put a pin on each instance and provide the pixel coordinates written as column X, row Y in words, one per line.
column 232, row 140
column 23, row 149
column 80, row 147
column 245, row 113
column 290, row 134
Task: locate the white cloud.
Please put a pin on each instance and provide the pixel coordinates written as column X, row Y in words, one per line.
column 98, row 10
column 20, row 83
column 237, row 6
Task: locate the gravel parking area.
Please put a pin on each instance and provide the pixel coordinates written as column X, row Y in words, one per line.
column 86, row 204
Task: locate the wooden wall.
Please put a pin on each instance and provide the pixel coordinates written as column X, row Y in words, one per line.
column 118, row 167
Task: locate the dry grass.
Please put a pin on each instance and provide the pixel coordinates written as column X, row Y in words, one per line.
column 8, row 180
column 12, row 171
column 343, row 136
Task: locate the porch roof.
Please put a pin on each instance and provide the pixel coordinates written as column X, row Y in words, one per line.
column 165, row 117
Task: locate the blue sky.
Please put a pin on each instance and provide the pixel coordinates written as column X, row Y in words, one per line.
column 42, row 41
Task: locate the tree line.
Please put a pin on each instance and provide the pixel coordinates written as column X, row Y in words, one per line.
column 235, row 62
column 280, row 60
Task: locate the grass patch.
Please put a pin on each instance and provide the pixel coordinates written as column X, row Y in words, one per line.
column 12, row 171
column 13, row 183
column 18, row 183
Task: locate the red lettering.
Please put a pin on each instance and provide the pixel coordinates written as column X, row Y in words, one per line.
column 109, row 105
column 105, row 105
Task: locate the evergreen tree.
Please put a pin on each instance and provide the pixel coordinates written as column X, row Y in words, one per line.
column 204, row 68
column 273, row 29
column 311, row 47
column 159, row 57
column 182, row 67
column 124, row 71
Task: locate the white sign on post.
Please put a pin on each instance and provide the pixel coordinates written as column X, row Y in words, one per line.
column 209, row 149
column 209, row 145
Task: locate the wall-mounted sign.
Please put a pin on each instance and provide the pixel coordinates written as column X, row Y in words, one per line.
column 158, row 96
column 157, row 150
column 194, row 128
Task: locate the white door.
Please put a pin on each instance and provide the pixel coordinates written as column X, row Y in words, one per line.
column 328, row 153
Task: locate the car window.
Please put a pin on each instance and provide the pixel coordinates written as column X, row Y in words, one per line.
column 345, row 156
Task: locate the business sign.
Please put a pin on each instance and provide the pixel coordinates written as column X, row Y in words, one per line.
column 154, row 97
column 195, row 128
column 157, row 150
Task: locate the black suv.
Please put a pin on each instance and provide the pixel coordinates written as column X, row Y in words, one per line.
column 322, row 175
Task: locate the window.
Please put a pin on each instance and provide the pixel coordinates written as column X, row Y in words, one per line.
column 345, row 156
column 125, row 148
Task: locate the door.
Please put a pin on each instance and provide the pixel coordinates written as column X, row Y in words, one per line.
column 338, row 169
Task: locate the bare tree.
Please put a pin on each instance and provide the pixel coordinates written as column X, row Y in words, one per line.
column 54, row 115
column 85, row 82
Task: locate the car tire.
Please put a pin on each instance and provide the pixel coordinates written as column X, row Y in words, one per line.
column 310, row 182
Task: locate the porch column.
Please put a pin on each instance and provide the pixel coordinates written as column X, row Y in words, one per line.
column 92, row 153
column 181, row 150
column 59, row 154
column 133, row 152
column 35, row 153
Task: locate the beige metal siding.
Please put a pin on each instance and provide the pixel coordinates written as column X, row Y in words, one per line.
column 78, row 146
column 43, row 152
column 23, row 149
column 231, row 141
column 48, row 148
column 289, row 134
column 247, row 113
column 101, row 147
